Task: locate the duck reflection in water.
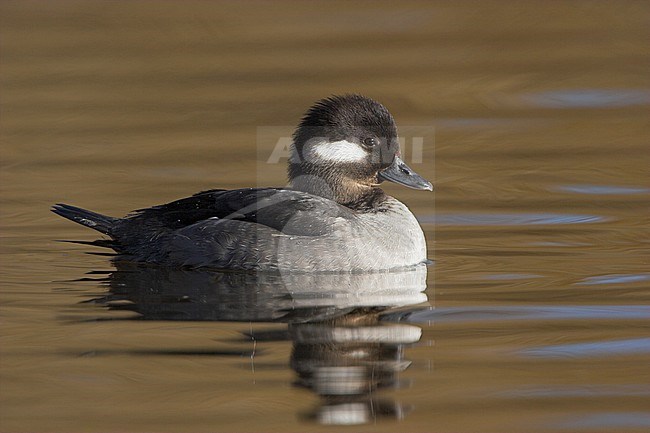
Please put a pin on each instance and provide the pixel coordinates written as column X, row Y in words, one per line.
column 346, row 342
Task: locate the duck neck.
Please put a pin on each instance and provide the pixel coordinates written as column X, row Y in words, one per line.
column 333, row 186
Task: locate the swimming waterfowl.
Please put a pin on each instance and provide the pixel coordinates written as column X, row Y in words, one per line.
column 332, row 217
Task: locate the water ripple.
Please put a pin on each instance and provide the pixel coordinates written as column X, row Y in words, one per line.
column 633, row 346
column 588, row 98
column 614, row 279
column 501, row 313
column 551, row 391
column 609, row 420
column 507, row 277
column 603, row 189
column 509, row 219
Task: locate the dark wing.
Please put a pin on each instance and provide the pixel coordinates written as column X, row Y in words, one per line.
column 227, row 229
column 290, row 212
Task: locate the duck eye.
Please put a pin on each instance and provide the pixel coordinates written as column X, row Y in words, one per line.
column 370, row 142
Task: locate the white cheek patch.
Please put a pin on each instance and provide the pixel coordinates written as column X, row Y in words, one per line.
column 336, row 151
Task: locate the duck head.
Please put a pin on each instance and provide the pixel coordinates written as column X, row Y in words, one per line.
column 344, row 147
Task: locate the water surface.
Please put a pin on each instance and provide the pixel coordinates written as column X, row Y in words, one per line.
column 534, row 127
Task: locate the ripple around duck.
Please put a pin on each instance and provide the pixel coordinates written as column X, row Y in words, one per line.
column 602, row 189
column 509, row 277
column 587, row 98
column 632, row 346
column 527, row 313
column 509, row 219
column 600, row 421
column 614, row 279
column 550, row 391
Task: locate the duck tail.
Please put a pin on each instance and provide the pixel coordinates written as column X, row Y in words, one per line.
column 101, row 223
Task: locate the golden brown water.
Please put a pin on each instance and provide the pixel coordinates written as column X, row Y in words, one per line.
column 537, row 114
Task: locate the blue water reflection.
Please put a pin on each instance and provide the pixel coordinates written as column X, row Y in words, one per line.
column 508, row 219
column 633, row 346
column 588, row 98
column 603, row 189
column 610, row 420
column 614, row 279
column 529, row 312
column 579, row 391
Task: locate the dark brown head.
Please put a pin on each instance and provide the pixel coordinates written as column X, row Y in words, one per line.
column 344, row 147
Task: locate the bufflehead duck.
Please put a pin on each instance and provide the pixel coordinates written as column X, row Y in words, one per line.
column 332, row 217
